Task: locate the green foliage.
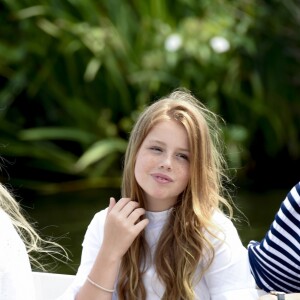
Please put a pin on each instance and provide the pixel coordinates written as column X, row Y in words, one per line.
column 74, row 75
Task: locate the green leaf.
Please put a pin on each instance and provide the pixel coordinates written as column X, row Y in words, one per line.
column 100, row 150
column 56, row 133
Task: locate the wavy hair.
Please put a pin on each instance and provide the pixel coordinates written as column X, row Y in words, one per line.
column 36, row 246
column 183, row 241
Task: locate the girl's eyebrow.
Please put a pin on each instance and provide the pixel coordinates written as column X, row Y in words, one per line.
column 164, row 144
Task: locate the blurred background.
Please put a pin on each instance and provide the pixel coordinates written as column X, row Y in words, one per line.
column 75, row 74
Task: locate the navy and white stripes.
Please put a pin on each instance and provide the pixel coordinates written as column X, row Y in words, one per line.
column 275, row 261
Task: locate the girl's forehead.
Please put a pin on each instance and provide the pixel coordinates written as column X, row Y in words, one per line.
column 169, row 131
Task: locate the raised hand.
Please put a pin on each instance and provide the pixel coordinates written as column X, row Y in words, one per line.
column 122, row 226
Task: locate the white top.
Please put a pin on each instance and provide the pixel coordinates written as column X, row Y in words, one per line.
column 228, row 277
column 16, row 280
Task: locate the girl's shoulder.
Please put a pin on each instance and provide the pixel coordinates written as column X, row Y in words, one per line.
column 94, row 232
column 99, row 218
column 222, row 226
column 5, row 221
column 12, row 247
column 3, row 216
column 220, row 219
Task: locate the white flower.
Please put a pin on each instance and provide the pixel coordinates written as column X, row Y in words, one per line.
column 219, row 44
column 173, row 42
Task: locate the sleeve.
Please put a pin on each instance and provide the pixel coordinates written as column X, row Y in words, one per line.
column 275, row 260
column 16, row 280
column 229, row 276
column 91, row 244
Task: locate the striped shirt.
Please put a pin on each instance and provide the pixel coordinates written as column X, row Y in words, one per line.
column 275, row 261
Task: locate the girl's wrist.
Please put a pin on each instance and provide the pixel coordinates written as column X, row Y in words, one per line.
column 108, row 256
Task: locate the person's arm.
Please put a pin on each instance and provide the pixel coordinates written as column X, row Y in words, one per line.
column 16, row 280
column 121, row 227
column 274, row 260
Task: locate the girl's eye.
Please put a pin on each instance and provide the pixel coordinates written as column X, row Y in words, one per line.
column 183, row 156
column 156, row 149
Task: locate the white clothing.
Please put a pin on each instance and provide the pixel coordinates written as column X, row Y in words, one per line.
column 228, row 277
column 16, row 281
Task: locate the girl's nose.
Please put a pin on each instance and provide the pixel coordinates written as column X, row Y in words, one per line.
column 166, row 163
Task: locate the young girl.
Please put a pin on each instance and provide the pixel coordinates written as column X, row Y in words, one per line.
column 18, row 240
column 167, row 237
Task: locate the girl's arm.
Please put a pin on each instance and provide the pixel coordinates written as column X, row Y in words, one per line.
column 121, row 227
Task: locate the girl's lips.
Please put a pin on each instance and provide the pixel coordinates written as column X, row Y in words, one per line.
column 161, row 178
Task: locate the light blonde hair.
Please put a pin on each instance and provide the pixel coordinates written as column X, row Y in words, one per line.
column 183, row 240
column 36, row 246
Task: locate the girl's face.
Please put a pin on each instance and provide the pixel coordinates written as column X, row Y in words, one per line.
column 162, row 165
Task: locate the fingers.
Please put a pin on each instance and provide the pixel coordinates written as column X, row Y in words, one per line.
column 123, row 224
column 117, row 205
column 122, row 203
column 126, row 209
column 136, row 214
column 140, row 226
column 129, row 208
column 124, row 206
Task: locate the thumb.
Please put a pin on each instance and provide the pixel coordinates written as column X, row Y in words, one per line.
column 112, row 203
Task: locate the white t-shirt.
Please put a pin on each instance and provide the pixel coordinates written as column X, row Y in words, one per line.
column 228, row 277
column 16, row 282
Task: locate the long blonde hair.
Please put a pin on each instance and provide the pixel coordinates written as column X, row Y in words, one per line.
column 36, row 246
column 184, row 239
